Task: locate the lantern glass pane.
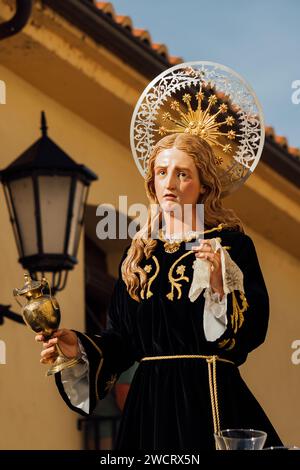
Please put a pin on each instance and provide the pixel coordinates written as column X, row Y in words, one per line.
column 22, row 198
column 76, row 223
column 13, row 219
column 54, row 193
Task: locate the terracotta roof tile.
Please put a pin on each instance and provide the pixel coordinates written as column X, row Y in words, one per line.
column 295, row 152
column 174, row 60
column 282, row 142
column 270, row 132
column 125, row 21
column 161, row 49
column 106, row 8
column 142, row 34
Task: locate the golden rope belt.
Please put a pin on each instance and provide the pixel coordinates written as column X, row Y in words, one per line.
column 212, row 379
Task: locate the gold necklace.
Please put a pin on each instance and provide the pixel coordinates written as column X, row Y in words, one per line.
column 171, row 246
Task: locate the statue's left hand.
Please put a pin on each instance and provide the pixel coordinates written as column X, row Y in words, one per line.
column 205, row 252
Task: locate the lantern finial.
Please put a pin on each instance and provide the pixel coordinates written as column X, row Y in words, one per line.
column 43, row 124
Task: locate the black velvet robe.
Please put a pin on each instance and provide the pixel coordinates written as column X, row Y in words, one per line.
column 168, row 406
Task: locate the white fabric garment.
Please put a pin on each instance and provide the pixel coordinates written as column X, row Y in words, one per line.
column 214, row 316
column 75, row 381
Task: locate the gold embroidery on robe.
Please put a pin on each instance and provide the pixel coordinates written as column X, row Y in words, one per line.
column 175, row 281
column 110, row 383
column 237, row 316
column 227, row 344
column 148, row 269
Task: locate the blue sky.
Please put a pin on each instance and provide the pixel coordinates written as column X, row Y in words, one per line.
column 260, row 39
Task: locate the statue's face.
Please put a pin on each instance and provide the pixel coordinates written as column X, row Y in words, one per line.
column 176, row 179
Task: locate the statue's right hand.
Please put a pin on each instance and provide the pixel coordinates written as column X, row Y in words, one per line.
column 67, row 341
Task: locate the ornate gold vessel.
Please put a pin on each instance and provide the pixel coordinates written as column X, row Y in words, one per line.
column 41, row 314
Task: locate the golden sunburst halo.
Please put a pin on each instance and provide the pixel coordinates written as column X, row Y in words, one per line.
column 201, row 121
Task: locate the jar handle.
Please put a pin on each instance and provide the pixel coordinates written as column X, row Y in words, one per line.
column 16, row 293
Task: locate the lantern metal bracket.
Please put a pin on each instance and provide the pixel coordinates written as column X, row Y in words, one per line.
column 6, row 312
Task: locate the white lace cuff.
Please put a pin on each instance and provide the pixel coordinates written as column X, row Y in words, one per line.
column 214, row 316
column 75, row 381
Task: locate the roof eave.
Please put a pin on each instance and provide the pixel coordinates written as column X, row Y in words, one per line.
column 105, row 31
column 281, row 161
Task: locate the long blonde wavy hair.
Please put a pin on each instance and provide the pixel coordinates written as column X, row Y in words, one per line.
column 142, row 244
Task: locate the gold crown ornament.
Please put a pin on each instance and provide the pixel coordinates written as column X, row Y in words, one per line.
column 208, row 100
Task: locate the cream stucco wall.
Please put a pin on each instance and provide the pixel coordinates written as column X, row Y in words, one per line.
column 32, row 415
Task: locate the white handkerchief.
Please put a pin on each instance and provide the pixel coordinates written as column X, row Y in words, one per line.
column 214, row 315
column 231, row 273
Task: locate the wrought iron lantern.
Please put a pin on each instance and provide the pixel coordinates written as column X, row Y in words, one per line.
column 46, row 192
